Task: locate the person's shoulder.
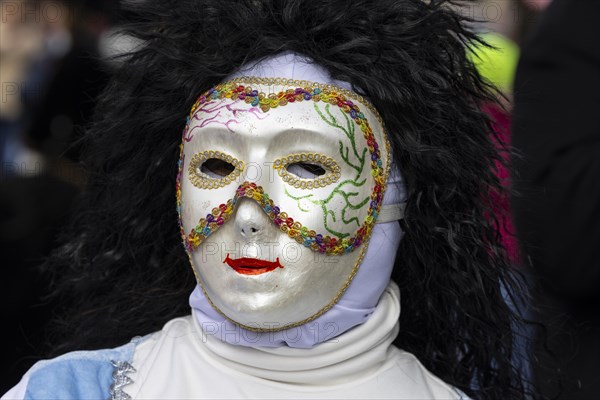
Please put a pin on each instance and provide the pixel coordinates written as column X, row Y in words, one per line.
column 76, row 375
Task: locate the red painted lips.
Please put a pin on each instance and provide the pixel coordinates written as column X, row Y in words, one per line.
column 251, row 266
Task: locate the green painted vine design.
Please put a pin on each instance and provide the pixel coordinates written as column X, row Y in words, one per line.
column 355, row 160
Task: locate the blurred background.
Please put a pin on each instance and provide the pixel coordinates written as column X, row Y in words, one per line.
column 54, row 60
column 52, row 67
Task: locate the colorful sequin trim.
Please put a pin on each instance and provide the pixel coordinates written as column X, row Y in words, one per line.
column 307, row 237
column 202, row 180
column 307, row 85
column 332, row 176
column 307, row 91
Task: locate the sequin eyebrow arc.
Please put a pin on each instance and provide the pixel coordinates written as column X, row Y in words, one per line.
column 332, row 175
column 204, row 181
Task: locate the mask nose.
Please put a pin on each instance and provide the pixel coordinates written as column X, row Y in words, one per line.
column 248, row 229
column 250, row 219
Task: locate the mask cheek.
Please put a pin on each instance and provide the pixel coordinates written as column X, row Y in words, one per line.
column 203, row 211
column 308, row 206
column 337, row 210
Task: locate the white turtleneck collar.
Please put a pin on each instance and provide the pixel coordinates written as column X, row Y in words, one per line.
column 182, row 361
column 349, row 355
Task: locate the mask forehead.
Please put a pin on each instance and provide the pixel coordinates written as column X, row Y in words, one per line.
column 355, row 158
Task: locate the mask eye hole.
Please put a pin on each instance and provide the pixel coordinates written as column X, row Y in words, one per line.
column 308, row 170
column 212, row 169
column 216, row 168
column 305, row 170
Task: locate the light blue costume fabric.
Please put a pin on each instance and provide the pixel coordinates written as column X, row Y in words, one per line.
column 78, row 375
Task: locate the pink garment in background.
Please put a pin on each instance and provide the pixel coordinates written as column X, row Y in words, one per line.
column 501, row 126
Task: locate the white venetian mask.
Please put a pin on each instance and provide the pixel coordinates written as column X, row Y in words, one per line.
column 280, row 184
